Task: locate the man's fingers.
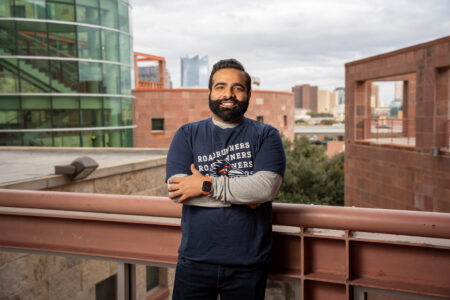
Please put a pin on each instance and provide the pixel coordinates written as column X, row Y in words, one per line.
column 182, row 198
column 194, row 170
column 174, row 187
column 175, row 180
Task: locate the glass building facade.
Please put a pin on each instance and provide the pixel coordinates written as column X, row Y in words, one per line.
column 66, row 73
column 194, row 71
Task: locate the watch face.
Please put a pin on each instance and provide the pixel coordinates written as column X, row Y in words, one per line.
column 206, row 186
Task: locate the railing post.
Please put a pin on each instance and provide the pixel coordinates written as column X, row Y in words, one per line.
column 126, row 281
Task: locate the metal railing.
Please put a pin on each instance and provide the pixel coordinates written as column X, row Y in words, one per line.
column 391, row 131
column 327, row 252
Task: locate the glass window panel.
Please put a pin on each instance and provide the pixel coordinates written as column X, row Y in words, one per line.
column 112, row 111
column 9, row 103
column 7, row 38
column 66, row 112
column 125, row 48
column 90, row 76
column 108, row 13
column 113, row 138
column 64, row 76
column 152, row 275
column 5, row 8
column 127, row 111
column 37, row 139
column 66, row 139
column 66, row 103
column 31, row 9
column 9, row 119
column 36, row 103
column 62, row 40
column 124, row 20
column 89, row 42
column 127, row 138
column 10, row 139
column 91, row 112
column 87, row 11
column 9, row 79
column 157, row 124
column 110, row 45
column 111, row 79
column 34, row 76
column 37, row 118
column 92, row 138
column 32, row 38
column 61, row 10
column 125, row 80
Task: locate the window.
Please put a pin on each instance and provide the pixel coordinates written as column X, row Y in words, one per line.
column 285, row 120
column 152, row 275
column 157, row 124
column 106, row 289
column 260, row 118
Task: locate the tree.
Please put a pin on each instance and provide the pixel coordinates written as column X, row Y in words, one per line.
column 311, row 177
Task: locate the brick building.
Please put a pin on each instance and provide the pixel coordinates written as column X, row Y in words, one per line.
column 160, row 112
column 403, row 163
column 306, row 96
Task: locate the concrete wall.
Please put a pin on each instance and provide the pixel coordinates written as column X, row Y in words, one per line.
column 181, row 106
column 395, row 176
column 40, row 276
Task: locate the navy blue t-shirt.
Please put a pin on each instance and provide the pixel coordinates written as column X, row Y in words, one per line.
column 236, row 235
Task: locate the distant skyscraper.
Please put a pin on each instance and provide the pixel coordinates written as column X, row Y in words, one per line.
column 341, row 94
column 194, row 71
column 306, row 96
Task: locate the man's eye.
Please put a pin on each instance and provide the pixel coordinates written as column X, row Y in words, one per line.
column 220, row 87
column 239, row 88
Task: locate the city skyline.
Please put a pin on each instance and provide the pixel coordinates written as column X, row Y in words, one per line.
column 285, row 43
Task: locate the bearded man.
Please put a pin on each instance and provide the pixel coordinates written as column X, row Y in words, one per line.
column 225, row 170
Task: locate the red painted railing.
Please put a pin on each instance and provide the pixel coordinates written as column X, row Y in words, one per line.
column 327, row 252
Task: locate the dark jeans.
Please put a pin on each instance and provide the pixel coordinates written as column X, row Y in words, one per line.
column 194, row 280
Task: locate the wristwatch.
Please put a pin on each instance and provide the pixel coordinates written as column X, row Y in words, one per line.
column 207, row 186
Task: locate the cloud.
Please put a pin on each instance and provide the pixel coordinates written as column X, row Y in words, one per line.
column 285, row 42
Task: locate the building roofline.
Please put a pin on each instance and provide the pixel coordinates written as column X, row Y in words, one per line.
column 399, row 51
column 201, row 90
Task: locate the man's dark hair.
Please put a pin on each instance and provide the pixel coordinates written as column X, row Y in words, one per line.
column 230, row 63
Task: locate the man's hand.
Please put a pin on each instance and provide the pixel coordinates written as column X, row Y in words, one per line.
column 188, row 186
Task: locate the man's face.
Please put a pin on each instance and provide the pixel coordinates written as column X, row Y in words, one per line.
column 228, row 97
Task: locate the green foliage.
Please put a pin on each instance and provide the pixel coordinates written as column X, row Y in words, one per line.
column 300, row 121
column 327, row 122
column 319, row 115
column 311, row 177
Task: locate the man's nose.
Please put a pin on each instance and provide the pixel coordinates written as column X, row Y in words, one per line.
column 228, row 93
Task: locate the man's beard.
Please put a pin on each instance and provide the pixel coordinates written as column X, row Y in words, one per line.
column 228, row 114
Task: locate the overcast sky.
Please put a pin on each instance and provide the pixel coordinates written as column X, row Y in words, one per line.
column 285, row 42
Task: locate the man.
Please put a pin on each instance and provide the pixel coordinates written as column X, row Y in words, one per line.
column 225, row 170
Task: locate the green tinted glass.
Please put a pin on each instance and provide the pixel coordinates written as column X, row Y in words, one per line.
column 113, row 138
column 43, row 139
column 91, row 112
column 34, row 76
column 90, row 77
column 10, row 139
column 5, row 8
column 125, row 80
column 127, row 111
column 66, row 139
column 125, row 48
column 62, row 40
column 7, row 38
column 111, row 79
column 124, row 20
column 9, row 79
column 66, row 112
column 112, row 111
column 88, row 12
column 64, row 76
column 32, row 38
column 30, row 9
column 92, row 138
column 110, row 45
column 89, row 42
column 61, row 10
column 127, row 138
column 108, row 13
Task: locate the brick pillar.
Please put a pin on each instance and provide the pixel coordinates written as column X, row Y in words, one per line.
column 409, row 106
column 442, row 111
column 362, row 109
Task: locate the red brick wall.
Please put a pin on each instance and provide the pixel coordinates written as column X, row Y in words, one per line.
column 181, row 106
column 393, row 176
